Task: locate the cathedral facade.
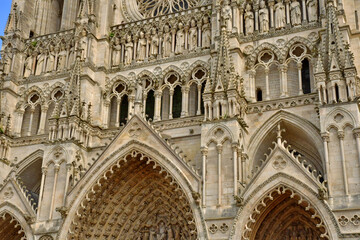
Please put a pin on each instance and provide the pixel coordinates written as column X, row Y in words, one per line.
column 180, row 120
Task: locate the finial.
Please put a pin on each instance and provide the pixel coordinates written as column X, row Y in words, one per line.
column 279, row 131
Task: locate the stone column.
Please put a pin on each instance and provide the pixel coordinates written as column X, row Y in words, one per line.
column 304, row 15
column 186, row 30
column 42, row 119
column 357, row 138
column 325, row 137
column 32, row 110
column 43, row 178
column 198, row 112
column 299, row 67
column 135, row 47
column 56, row 173
column 171, row 103
column 219, row 150
column 118, row 104
column 252, row 83
column 235, row 17
column 68, row 169
column 267, row 83
column 283, row 73
column 271, row 6
column 19, row 120
column 235, row 159
column 173, row 31
column 241, row 20
column 157, row 105
column 105, row 115
column 287, row 7
column 185, row 101
column 341, row 136
column 199, row 25
column 256, row 10
column 204, row 152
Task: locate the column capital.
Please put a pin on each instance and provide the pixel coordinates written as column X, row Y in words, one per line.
column 325, row 136
column 204, row 151
column 219, row 147
column 341, row 135
column 56, row 168
column 356, row 132
column 44, row 170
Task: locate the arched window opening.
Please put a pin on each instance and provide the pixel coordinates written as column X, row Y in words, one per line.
column 193, row 100
column 31, row 178
column 305, row 75
column 177, row 102
column 202, row 107
column 124, row 109
column 150, row 105
column 10, row 227
column 165, row 104
column 259, row 95
column 31, row 121
column 220, row 110
column 337, row 94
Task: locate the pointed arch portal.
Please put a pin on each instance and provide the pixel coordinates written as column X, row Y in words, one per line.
column 284, row 214
column 10, row 228
column 135, row 199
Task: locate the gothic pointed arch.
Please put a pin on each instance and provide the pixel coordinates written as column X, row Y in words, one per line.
column 300, row 134
column 139, row 184
column 283, row 207
column 265, row 46
column 13, row 224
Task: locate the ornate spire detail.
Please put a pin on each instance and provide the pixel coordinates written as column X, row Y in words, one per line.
column 73, row 89
column 13, row 23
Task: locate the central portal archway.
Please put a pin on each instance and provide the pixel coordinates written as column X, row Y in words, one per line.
column 135, row 199
column 284, row 214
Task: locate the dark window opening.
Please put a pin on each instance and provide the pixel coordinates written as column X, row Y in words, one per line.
column 259, row 95
column 150, row 105
column 337, row 94
column 305, row 75
column 177, row 102
column 124, row 109
column 202, row 107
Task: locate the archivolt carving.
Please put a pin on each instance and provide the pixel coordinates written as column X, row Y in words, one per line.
column 135, row 199
column 10, row 228
column 318, row 228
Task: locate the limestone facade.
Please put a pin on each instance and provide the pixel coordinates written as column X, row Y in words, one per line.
column 180, row 119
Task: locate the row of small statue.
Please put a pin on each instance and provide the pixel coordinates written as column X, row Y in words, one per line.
column 163, row 232
column 171, row 41
column 49, row 60
column 280, row 15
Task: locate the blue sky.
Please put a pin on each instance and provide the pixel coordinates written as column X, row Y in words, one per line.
column 5, row 6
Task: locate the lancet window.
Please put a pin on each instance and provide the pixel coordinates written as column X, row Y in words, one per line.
column 119, row 105
column 32, row 115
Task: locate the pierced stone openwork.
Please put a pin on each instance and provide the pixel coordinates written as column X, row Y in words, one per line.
column 153, row 8
column 10, row 228
column 135, row 199
column 284, row 214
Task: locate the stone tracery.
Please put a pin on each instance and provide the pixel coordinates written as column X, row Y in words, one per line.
column 136, row 190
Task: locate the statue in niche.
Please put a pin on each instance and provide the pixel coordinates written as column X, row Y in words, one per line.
column 116, row 52
column 152, row 233
column 40, row 62
column 170, row 234
column 61, row 58
column 51, row 59
column 180, row 39
column 128, row 50
column 7, row 62
column 71, row 49
column 249, row 20
column 193, row 36
column 154, row 47
column 139, row 91
column 83, row 44
column 161, row 234
column 280, row 17
column 312, row 7
column 28, row 66
column 295, row 12
column 206, row 33
column 177, row 232
column 141, row 48
column 264, row 18
column 227, row 15
column 167, row 45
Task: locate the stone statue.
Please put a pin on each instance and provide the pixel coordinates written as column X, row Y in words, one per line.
column 280, row 17
column 154, row 47
column 170, row 234
column 152, row 234
column 206, row 33
column 193, row 36
column 50, row 60
column 83, row 44
column 128, row 50
column 227, row 15
column 40, row 63
column 312, row 7
column 116, row 52
column 71, row 57
column 7, row 63
column 139, row 91
column 141, row 48
column 180, row 39
column 263, row 18
column 28, row 66
column 61, row 59
column 161, row 235
column 295, row 10
column 249, row 20
column 167, row 42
